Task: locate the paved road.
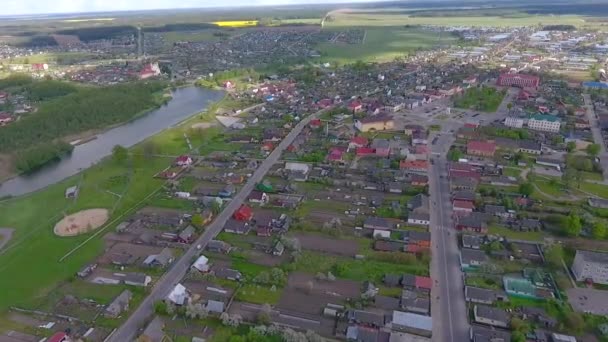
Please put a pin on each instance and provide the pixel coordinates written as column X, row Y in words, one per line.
column 128, row 331
column 450, row 319
column 597, row 134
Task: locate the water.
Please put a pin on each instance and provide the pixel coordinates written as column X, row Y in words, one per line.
column 185, row 103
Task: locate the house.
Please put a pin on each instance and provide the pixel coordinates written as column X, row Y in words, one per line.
column 412, row 323
column 497, row 210
column 183, row 161
column 591, row 266
column 388, row 246
column 420, row 138
column 417, row 166
column 244, row 213
column 419, row 180
column 355, row 106
column 227, row 191
column 386, row 303
column 555, row 163
column 419, row 219
column 473, row 222
column 460, row 206
column 5, row 119
column 484, row 296
column 201, row 264
column 336, row 154
column 472, row 241
column 162, row 259
column 218, row 246
column 215, row 307
column 598, row 202
column 258, row 197
column 154, row 331
column 278, row 249
column 415, row 282
column 359, row 333
column 186, row 235
column 538, row 316
column 481, row 148
column 357, row 141
column 375, row 123
column 372, row 222
column 483, row 333
column 391, row 280
column 488, row 315
column 412, row 301
column 518, row 80
column 471, row 258
column 119, row 305
column 422, row 239
column 365, row 152
column 137, row 279
column 555, row 337
column 228, row 273
column 365, row 318
column 465, row 196
column 530, row 147
column 381, row 147
column 394, row 188
column 237, row 227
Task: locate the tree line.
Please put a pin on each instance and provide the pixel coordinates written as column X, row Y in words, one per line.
column 84, row 109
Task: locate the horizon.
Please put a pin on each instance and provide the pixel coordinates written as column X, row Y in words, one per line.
column 25, row 8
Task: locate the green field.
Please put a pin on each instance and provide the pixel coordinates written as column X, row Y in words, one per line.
column 511, row 234
column 31, row 260
column 484, row 99
column 383, row 44
column 385, row 18
column 62, row 57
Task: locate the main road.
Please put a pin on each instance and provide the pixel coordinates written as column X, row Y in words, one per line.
column 128, row 331
column 450, row 318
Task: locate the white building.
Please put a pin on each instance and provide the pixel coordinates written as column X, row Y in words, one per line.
column 511, row 121
column 544, row 123
column 591, row 265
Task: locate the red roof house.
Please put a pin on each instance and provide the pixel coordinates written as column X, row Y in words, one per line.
column 365, row 151
column 358, row 142
column 335, row 154
column 183, row 161
column 244, row 213
column 59, row 337
column 355, row 106
column 425, row 283
column 315, row 123
column 267, row 146
column 460, row 205
column 324, row 103
column 414, row 165
column 5, row 118
column 481, row 148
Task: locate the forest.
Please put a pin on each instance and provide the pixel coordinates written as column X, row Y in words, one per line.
column 88, row 34
column 35, row 157
column 67, row 109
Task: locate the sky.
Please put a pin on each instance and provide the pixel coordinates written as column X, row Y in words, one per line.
column 19, row 7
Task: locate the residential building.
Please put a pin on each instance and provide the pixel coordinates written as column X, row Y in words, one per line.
column 470, row 258
column 375, row 123
column 518, row 80
column 591, row 266
column 413, row 323
column 511, row 121
column 481, row 333
column 481, row 148
column 530, row 147
column 488, row 315
column 544, row 123
column 119, row 305
column 484, row 296
column 417, row 166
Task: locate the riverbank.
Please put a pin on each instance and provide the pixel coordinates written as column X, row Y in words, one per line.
column 119, row 187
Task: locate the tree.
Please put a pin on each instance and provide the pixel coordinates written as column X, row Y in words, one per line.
column 593, row 150
column 570, row 146
column 197, row 220
column 568, row 177
column 454, row 154
column 119, row 154
column 598, row 231
column 263, row 316
column 572, row 225
column 575, row 321
column 526, row 189
column 509, row 106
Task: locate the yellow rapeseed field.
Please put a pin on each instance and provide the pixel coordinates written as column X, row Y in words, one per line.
column 236, row 23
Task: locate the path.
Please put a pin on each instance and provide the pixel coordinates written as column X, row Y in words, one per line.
column 180, row 267
column 5, row 236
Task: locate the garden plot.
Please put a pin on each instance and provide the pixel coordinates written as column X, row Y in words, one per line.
column 319, row 243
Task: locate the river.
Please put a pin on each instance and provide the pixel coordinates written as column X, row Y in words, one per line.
column 185, row 103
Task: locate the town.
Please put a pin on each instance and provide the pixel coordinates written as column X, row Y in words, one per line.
column 458, row 192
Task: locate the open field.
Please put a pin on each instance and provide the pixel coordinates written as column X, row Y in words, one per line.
column 31, row 259
column 511, row 234
column 383, row 44
column 385, row 18
column 81, row 222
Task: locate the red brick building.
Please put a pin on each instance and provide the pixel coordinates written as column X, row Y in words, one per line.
column 481, row 148
column 518, row 80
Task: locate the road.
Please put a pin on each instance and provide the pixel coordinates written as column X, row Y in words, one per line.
column 450, row 319
column 597, row 134
column 128, row 331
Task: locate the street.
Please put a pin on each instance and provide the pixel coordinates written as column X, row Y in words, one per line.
column 450, row 319
column 165, row 284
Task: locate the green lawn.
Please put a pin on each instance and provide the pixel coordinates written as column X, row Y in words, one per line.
column 596, row 189
column 383, row 44
column 511, row 234
column 386, row 18
column 485, row 99
column 31, row 261
column 258, row 294
column 483, row 282
column 511, row 172
column 360, row 270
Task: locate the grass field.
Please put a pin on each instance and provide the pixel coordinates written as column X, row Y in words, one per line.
column 47, row 58
column 485, row 99
column 31, row 260
column 384, row 18
column 383, row 44
column 511, row 234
